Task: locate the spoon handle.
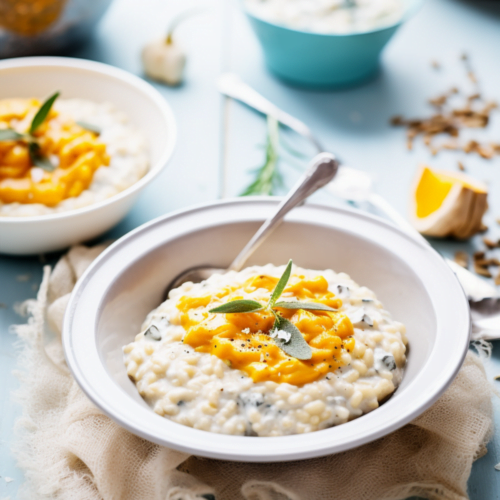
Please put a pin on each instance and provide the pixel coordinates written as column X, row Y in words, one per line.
column 321, row 171
column 233, row 86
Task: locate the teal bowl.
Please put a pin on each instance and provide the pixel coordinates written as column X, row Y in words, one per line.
column 317, row 60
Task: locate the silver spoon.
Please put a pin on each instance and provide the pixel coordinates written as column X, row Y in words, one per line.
column 321, row 171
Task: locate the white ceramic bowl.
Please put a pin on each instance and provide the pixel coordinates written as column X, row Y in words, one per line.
column 146, row 108
column 112, row 299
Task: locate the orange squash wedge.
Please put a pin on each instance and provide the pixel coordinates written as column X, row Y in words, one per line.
column 447, row 204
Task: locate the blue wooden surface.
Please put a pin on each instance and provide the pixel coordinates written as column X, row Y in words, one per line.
column 219, row 141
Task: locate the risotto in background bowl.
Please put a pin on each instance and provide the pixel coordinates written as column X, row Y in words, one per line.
column 107, row 135
column 376, row 356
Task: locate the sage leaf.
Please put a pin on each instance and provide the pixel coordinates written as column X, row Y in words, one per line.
column 307, row 306
column 238, row 306
column 297, row 346
column 7, row 134
column 42, row 113
column 89, row 126
column 38, row 159
column 278, row 290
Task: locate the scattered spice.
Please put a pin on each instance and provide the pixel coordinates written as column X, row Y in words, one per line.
column 462, row 259
column 450, row 117
column 490, row 243
column 435, row 64
column 482, row 263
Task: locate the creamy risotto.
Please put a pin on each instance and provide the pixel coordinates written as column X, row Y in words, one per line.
column 329, row 16
column 226, row 373
column 92, row 149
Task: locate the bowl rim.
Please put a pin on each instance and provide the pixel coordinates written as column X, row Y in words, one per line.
column 413, row 7
column 219, row 446
column 110, row 71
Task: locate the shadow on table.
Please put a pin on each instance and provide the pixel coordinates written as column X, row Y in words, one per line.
column 363, row 111
column 488, row 6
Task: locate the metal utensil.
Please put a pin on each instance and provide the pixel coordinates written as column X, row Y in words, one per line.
column 321, row 171
column 356, row 186
column 232, row 85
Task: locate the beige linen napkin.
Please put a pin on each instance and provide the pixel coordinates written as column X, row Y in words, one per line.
column 70, row 450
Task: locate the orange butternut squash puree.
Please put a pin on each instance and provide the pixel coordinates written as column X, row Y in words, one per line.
column 255, row 353
column 79, row 152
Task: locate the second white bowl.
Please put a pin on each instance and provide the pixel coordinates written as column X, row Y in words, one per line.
column 76, row 78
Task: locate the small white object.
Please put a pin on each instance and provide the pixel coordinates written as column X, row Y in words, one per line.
column 164, row 60
column 8, row 479
column 351, row 184
column 359, row 316
column 281, row 334
column 37, row 174
column 343, row 291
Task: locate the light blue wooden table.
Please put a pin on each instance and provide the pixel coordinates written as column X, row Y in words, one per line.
column 220, row 141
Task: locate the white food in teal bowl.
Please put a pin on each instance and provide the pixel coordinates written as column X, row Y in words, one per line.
column 325, row 43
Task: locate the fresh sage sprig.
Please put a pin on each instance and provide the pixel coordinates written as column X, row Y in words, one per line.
column 285, row 334
column 268, row 177
column 36, row 156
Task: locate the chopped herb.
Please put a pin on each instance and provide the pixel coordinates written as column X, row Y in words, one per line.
column 152, row 333
column 89, row 126
column 38, row 159
column 389, row 362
